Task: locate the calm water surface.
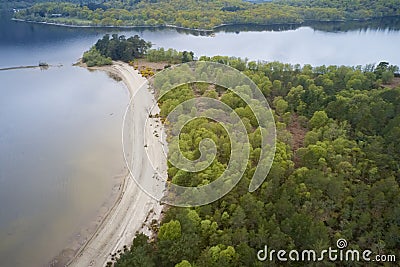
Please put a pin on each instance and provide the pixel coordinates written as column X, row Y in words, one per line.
column 60, row 146
column 60, row 129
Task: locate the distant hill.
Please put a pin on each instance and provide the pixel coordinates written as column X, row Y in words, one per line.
column 196, row 14
column 9, row 4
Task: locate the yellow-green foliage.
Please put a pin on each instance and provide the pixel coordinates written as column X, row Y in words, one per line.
column 341, row 182
column 146, row 72
column 94, row 58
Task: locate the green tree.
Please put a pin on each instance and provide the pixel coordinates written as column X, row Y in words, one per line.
column 170, row 231
column 319, row 119
column 183, row 263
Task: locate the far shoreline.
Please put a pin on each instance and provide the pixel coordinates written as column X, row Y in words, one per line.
column 211, row 31
column 119, row 27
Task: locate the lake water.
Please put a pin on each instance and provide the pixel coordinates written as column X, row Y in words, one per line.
column 60, row 145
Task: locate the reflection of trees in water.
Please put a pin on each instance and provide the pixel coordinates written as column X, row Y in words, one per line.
column 386, row 23
column 254, row 27
column 389, row 23
column 36, row 33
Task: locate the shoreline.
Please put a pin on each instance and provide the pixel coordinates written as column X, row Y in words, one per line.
column 85, row 232
column 170, row 26
column 30, row 67
column 214, row 29
column 133, row 210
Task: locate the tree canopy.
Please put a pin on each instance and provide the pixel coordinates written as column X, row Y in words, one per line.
column 195, row 14
column 115, row 48
column 122, row 48
column 335, row 173
column 125, row 49
column 94, row 58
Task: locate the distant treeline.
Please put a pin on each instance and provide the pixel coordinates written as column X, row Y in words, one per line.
column 205, row 14
column 17, row 4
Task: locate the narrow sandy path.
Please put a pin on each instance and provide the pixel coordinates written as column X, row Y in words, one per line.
column 134, row 208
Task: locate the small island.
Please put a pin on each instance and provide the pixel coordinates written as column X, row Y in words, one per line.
column 41, row 65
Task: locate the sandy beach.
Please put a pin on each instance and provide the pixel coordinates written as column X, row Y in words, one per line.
column 134, row 209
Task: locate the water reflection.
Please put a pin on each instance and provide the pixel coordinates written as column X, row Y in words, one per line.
column 380, row 24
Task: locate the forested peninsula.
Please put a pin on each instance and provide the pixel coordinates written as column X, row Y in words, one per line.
column 205, row 15
column 335, row 173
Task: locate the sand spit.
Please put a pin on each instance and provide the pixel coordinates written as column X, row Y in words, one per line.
column 134, row 210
